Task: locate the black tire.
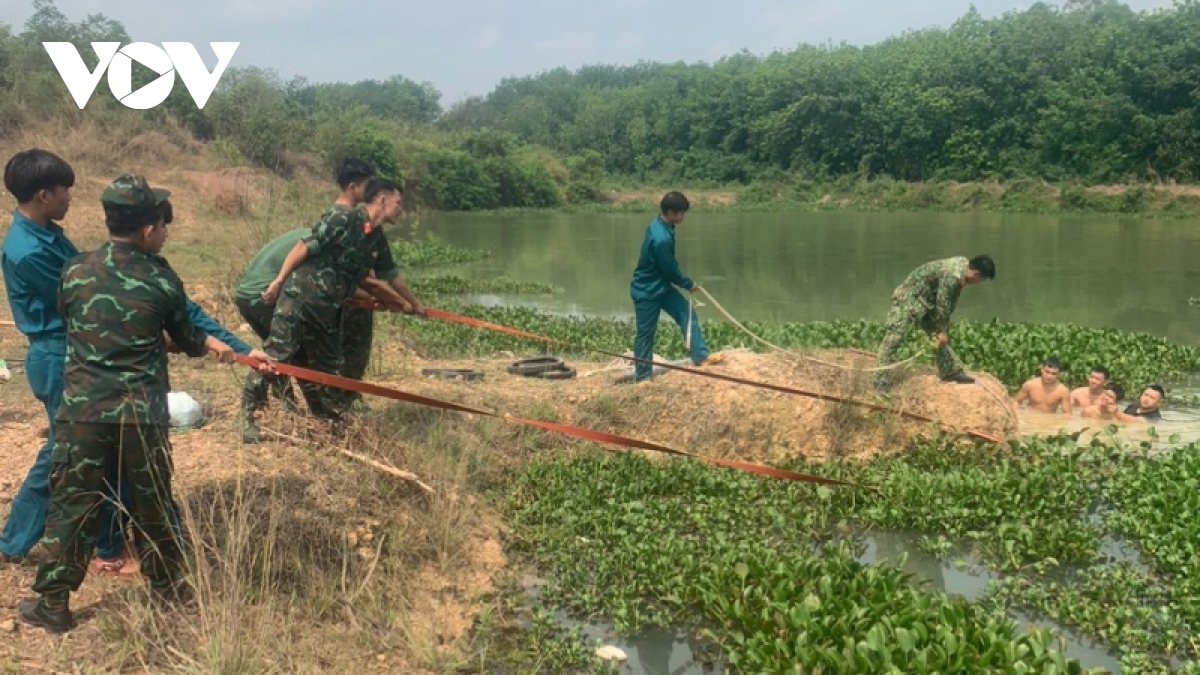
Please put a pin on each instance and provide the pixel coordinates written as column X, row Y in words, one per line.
column 535, row 366
column 564, row 373
column 453, row 373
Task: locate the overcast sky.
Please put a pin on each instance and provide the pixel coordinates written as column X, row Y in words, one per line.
column 465, row 47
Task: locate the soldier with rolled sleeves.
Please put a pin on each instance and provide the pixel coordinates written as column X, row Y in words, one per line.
column 926, row 299
column 317, row 278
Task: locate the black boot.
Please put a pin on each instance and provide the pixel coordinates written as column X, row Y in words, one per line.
column 960, row 378
column 34, row 613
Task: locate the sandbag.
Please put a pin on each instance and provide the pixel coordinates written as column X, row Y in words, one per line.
column 185, row 411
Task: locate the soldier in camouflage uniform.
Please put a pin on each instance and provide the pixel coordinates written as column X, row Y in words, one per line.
column 112, row 425
column 316, row 280
column 926, row 299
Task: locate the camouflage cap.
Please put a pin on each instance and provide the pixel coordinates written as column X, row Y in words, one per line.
column 131, row 191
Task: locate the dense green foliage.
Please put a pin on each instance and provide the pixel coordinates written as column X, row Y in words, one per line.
column 1089, row 92
column 764, row 566
column 256, row 117
column 1092, row 91
column 1009, row 351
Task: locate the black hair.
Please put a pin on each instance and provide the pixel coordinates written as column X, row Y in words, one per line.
column 1161, row 392
column 123, row 221
column 674, row 201
column 352, row 170
column 378, row 185
column 1103, row 371
column 31, row 171
column 984, row 265
column 1053, row 362
column 1117, row 391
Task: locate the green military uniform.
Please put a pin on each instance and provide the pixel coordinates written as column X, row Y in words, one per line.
column 357, row 325
column 112, row 425
column 926, row 298
column 260, row 272
column 342, row 249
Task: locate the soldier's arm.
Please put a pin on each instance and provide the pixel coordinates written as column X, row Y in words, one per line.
column 1066, row 404
column 294, row 259
column 190, row 338
column 388, row 271
column 209, row 325
column 326, row 232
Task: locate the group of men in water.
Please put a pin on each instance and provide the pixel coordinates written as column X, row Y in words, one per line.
column 1099, row 399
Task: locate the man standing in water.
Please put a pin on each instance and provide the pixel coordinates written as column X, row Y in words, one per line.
column 927, row 298
column 651, row 289
column 1090, row 395
column 1045, row 394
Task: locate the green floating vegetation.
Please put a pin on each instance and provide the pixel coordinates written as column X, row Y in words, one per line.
column 1011, row 352
column 444, row 285
column 759, row 567
column 433, row 253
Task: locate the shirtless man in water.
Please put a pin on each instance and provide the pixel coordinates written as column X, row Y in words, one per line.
column 1106, row 408
column 1046, row 393
column 1090, row 395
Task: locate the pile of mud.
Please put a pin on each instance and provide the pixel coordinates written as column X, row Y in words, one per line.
column 718, row 418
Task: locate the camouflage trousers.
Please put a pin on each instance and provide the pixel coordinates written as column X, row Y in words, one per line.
column 358, row 331
column 901, row 319
column 307, row 338
column 89, row 461
column 259, row 314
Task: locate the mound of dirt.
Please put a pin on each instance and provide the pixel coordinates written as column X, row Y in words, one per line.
column 723, row 419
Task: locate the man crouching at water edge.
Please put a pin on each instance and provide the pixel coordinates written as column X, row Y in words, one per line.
column 652, row 293
column 927, row 298
column 1045, row 394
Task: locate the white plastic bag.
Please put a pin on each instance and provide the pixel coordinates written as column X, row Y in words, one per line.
column 185, row 411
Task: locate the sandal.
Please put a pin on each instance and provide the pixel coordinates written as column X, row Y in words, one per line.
column 121, row 567
column 712, row 359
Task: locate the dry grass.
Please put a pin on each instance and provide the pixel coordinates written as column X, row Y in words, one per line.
column 305, row 561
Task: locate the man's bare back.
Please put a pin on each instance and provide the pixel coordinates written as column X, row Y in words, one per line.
column 1045, row 398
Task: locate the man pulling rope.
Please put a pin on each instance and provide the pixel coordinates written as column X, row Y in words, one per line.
column 651, row 291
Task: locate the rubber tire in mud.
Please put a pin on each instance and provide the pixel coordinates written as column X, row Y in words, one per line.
column 536, row 366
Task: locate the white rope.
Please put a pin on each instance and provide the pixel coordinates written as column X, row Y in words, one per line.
column 749, row 332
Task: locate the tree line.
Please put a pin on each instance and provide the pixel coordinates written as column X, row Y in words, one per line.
column 1090, row 91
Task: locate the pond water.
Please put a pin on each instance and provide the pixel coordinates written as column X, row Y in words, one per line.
column 1097, row 271
column 1102, row 271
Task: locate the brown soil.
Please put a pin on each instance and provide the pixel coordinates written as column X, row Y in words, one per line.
column 721, row 419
